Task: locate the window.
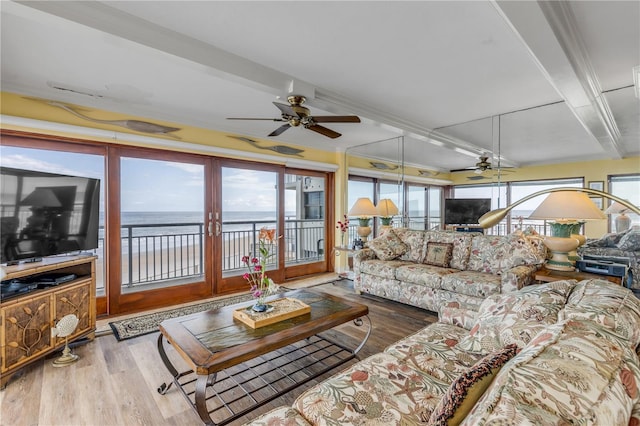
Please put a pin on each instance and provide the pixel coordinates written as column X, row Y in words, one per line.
column 511, row 192
column 626, row 187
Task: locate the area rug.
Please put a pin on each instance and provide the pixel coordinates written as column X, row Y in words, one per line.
column 140, row 325
column 148, row 323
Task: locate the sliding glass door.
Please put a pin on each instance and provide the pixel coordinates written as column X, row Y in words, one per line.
column 160, row 241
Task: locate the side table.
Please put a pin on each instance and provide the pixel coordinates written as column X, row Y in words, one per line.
column 548, row 275
column 347, row 273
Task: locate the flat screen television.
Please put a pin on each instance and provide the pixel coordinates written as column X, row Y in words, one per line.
column 465, row 211
column 44, row 214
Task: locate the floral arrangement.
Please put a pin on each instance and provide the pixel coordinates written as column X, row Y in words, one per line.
column 261, row 285
column 343, row 225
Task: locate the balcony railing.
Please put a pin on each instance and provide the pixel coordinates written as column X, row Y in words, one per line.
column 155, row 253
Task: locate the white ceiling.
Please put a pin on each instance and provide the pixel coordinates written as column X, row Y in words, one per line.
column 435, row 72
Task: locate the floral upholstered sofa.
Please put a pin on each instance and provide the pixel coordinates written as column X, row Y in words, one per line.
column 552, row 354
column 429, row 269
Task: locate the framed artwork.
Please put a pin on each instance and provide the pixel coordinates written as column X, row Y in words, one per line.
column 597, row 201
column 598, row 185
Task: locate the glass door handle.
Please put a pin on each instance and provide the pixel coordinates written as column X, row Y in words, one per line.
column 218, row 228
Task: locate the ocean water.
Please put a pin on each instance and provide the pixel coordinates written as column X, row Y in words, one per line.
column 175, row 229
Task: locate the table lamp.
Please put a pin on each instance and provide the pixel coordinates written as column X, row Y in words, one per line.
column 364, row 210
column 622, row 221
column 569, row 210
column 386, row 209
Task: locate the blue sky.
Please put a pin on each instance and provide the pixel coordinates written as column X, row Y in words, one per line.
column 152, row 185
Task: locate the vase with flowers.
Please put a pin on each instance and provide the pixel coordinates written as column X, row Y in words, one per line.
column 343, row 226
column 261, row 285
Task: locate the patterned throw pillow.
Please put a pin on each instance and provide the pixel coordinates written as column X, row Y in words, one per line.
column 468, row 387
column 388, row 246
column 439, row 254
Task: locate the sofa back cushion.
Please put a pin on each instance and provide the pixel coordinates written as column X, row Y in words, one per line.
column 574, row 372
column 515, row 318
column 608, row 304
column 494, row 254
column 414, row 240
column 461, row 246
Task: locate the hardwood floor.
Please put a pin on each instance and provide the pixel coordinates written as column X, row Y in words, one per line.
column 115, row 383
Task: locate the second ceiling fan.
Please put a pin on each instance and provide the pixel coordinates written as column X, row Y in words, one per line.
column 295, row 114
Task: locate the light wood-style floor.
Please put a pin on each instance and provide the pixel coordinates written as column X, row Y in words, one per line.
column 115, row 383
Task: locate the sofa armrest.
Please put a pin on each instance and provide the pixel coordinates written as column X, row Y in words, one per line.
column 361, row 256
column 517, row 277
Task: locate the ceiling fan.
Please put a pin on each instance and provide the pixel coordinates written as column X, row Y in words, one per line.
column 481, row 166
column 295, row 115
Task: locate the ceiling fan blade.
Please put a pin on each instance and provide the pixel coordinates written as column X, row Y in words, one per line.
column 286, row 109
column 280, row 130
column 324, row 131
column 265, row 119
column 336, row 119
column 468, row 169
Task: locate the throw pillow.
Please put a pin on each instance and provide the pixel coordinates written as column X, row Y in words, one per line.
column 439, row 254
column 388, row 246
column 466, row 389
column 631, row 240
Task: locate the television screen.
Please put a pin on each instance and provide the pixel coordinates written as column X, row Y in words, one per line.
column 465, row 211
column 43, row 214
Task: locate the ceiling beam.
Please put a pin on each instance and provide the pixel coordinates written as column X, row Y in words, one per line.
column 237, row 69
column 550, row 32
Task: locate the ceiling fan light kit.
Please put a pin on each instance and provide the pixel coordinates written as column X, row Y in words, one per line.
column 295, row 115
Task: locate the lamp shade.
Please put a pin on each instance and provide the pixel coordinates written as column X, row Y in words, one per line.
column 41, row 197
column 616, row 208
column 386, row 208
column 363, row 208
column 567, row 205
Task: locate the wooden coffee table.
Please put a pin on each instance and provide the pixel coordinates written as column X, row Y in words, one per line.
column 234, row 368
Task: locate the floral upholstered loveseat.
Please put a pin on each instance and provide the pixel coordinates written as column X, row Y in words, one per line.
column 552, row 354
column 429, row 269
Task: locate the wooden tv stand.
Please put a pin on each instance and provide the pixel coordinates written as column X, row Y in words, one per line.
column 26, row 319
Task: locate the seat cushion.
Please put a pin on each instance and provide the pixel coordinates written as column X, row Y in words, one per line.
column 419, row 273
column 433, row 351
column 381, row 268
column 472, row 283
column 379, row 390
